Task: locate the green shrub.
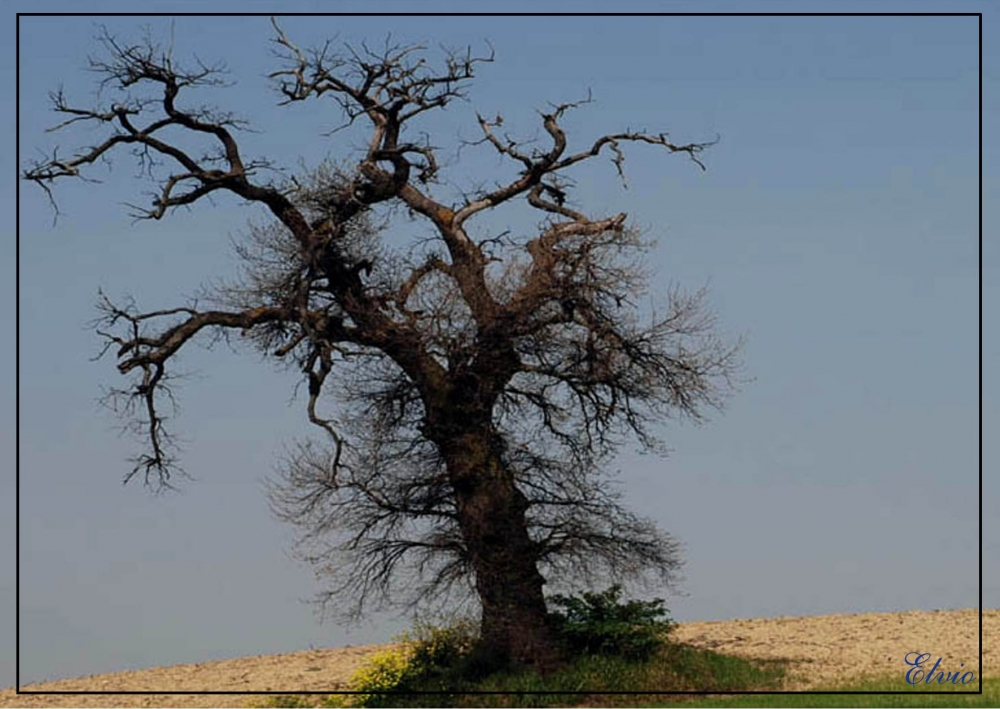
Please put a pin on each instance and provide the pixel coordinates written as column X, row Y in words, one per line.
column 601, row 624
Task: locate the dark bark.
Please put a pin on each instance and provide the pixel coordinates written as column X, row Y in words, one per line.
column 504, row 559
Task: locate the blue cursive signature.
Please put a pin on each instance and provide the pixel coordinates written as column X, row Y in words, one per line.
column 916, row 661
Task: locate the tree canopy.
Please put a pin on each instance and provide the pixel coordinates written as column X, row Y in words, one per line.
column 480, row 385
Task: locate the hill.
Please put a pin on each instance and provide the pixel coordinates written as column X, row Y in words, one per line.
column 824, row 651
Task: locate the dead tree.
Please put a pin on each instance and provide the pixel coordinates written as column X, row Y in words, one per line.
column 481, row 385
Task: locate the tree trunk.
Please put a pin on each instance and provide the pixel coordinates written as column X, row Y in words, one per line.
column 491, row 513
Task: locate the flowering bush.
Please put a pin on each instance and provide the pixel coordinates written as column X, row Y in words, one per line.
column 426, row 652
column 437, row 649
column 385, row 671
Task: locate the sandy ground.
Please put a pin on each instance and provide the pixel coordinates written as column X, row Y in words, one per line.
column 832, row 649
column 823, row 650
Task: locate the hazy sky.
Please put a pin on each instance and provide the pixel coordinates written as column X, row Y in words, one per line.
column 836, row 227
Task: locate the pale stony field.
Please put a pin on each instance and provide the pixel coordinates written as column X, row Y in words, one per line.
column 824, row 651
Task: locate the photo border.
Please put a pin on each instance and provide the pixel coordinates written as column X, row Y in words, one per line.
column 19, row 691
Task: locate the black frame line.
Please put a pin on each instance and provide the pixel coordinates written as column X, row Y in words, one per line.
column 17, row 320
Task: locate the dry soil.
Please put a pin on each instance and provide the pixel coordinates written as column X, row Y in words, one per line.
column 823, row 651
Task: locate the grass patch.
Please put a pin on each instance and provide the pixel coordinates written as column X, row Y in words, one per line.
column 695, row 669
column 674, row 667
column 916, row 696
column 292, row 701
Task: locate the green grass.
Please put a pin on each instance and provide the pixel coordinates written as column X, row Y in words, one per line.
column 675, row 667
column 916, row 696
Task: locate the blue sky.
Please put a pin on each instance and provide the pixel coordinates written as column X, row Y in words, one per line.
column 836, row 227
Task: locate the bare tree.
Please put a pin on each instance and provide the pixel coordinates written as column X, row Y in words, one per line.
column 481, row 384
